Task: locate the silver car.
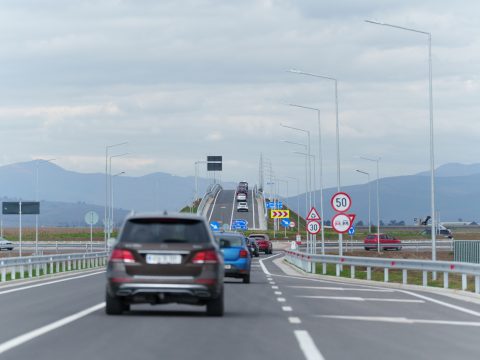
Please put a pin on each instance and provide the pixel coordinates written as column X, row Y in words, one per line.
column 242, row 206
column 5, row 244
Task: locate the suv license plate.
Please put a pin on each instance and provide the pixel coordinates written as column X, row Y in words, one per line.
column 163, row 259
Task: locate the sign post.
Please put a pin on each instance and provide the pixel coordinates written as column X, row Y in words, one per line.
column 91, row 218
column 341, row 203
column 313, row 216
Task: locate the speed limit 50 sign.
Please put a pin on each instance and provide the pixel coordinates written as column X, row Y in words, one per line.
column 341, row 202
column 313, row 227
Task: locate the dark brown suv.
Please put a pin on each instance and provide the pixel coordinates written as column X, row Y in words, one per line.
column 163, row 258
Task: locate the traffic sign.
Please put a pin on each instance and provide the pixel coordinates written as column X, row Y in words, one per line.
column 274, row 205
column 341, row 202
column 215, row 226
column 91, row 218
column 292, row 224
column 342, row 222
column 313, row 227
column 351, row 231
column 240, row 222
column 285, row 222
column 313, row 214
column 279, row 214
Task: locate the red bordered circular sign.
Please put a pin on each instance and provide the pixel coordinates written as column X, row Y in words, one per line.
column 341, row 202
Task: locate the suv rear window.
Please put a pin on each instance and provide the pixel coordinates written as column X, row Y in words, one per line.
column 164, row 231
column 257, row 237
column 230, row 241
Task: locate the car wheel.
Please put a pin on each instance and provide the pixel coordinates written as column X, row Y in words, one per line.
column 257, row 254
column 215, row 306
column 246, row 279
column 114, row 305
column 367, row 249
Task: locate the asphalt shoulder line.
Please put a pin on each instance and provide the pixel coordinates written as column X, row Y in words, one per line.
column 32, row 286
column 400, row 320
column 19, row 340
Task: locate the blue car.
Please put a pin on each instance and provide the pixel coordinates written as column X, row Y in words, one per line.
column 236, row 254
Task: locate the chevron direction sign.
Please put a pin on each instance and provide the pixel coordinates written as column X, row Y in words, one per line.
column 279, row 214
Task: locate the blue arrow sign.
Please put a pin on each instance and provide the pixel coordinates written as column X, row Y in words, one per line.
column 285, row 222
column 239, row 227
column 215, row 226
column 240, row 222
column 274, row 205
column 351, row 231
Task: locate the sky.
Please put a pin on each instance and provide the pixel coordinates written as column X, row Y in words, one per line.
column 180, row 80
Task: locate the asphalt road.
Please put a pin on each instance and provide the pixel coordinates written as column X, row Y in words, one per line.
column 224, row 209
column 277, row 316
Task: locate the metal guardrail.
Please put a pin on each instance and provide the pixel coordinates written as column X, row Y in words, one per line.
column 467, row 251
column 211, row 192
column 307, row 263
column 408, row 244
column 34, row 266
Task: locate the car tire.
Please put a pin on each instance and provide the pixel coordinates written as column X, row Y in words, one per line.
column 114, row 305
column 257, row 254
column 215, row 305
column 246, row 279
column 367, row 249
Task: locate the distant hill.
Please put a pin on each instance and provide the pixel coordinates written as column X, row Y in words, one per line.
column 408, row 197
column 66, row 195
column 454, row 169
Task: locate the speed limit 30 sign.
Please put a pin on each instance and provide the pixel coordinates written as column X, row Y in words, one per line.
column 313, row 227
column 341, row 202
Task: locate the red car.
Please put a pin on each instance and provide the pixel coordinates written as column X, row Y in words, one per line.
column 387, row 242
column 263, row 242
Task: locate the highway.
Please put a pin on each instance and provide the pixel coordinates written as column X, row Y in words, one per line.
column 280, row 315
column 224, row 209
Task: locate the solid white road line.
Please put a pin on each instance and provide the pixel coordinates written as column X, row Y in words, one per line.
column 354, row 298
column 49, row 282
column 401, row 320
column 286, row 308
column 307, row 345
column 294, row 320
column 233, row 207
column 264, row 268
column 19, row 340
column 340, row 288
column 213, row 206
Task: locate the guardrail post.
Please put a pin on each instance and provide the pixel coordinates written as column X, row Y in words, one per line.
column 464, row 281
column 51, row 265
column 22, row 273
column 13, row 273
column 352, row 271
column 404, row 276
column 57, row 266
column 445, row 280
column 477, row 284
column 64, row 266
column 425, row 278
column 385, row 275
column 369, row 273
column 83, row 262
column 324, row 268
column 337, row 269
column 69, row 263
column 37, row 270
column 30, row 268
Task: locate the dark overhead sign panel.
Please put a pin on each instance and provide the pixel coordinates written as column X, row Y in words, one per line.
column 214, row 158
column 214, row 166
column 13, row 208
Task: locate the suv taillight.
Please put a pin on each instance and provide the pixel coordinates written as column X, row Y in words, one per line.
column 122, row 255
column 205, row 257
column 243, row 253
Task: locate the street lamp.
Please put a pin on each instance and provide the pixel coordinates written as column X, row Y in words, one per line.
column 196, row 177
column 308, row 159
column 432, row 159
column 37, row 199
column 111, row 194
column 298, row 201
column 337, row 136
column 320, row 160
column 110, row 224
column 369, row 222
column 377, row 160
column 107, row 148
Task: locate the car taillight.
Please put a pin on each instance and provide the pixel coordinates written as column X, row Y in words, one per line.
column 205, row 257
column 243, row 253
column 122, row 255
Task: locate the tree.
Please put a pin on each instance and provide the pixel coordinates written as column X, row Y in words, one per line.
column 359, row 223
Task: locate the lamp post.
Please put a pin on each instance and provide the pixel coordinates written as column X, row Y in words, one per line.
column 306, row 174
column 377, row 160
column 432, row 158
column 320, row 160
column 337, row 136
column 298, row 201
column 196, row 177
column 369, row 222
column 111, row 194
column 105, row 221
column 37, row 199
column 110, row 214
